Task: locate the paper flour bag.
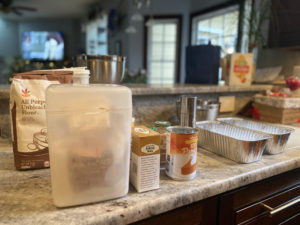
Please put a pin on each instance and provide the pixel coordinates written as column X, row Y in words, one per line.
column 28, row 116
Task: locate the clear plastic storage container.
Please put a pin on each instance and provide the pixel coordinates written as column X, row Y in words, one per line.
column 89, row 133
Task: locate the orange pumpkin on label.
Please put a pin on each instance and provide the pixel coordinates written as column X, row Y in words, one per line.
column 189, row 167
column 183, row 143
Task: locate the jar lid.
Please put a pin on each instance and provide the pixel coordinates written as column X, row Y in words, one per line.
column 81, row 72
column 162, row 123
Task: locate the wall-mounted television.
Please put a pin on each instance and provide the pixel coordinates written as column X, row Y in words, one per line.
column 42, row 45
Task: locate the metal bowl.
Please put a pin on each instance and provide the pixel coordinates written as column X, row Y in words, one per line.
column 105, row 69
column 208, row 110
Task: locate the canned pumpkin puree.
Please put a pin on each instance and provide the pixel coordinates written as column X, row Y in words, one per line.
column 181, row 152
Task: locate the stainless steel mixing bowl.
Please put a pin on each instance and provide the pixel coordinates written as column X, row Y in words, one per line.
column 105, row 69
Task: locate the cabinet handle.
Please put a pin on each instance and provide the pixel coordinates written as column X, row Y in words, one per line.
column 273, row 211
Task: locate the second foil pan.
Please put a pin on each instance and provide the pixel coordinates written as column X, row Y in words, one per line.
column 235, row 143
column 280, row 134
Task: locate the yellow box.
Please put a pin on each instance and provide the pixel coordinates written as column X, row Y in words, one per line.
column 238, row 69
column 145, row 159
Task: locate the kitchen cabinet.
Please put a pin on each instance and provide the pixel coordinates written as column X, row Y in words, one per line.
column 241, row 206
column 284, row 26
column 244, row 206
column 202, row 212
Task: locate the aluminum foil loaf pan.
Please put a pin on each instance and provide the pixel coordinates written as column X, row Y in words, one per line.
column 280, row 134
column 235, row 143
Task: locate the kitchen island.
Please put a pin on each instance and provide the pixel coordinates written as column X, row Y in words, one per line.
column 156, row 102
column 25, row 196
column 170, row 89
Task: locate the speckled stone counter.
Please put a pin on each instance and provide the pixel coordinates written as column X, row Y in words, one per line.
column 155, row 102
column 146, row 89
column 4, row 91
column 157, row 89
column 25, row 197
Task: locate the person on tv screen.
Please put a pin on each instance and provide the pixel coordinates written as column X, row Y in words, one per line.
column 54, row 46
column 26, row 46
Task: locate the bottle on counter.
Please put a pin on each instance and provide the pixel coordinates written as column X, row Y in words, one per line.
column 161, row 127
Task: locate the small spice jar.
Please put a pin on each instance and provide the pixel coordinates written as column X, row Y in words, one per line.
column 161, row 127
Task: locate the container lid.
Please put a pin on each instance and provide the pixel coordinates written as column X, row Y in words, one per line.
column 77, row 71
column 80, row 72
column 182, row 130
column 162, row 123
column 88, row 97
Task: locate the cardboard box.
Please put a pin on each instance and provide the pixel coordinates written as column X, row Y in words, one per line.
column 237, row 69
column 227, row 103
column 273, row 114
column 145, row 159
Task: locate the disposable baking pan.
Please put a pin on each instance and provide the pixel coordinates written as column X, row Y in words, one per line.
column 235, row 143
column 280, row 134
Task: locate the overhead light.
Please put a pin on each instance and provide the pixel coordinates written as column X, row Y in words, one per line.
column 130, row 30
column 137, row 17
column 150, row 22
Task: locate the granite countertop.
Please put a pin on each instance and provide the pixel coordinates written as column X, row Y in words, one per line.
column 25, row 197
column 4, row 91
column 147, row 89
column 284, row 103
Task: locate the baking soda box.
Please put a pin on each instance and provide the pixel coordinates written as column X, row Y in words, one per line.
column 238, row 69
column 145, row 159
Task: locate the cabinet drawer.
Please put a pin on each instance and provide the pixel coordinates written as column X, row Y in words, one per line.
column 199, row 213
column 233, row 203
column 257, row 213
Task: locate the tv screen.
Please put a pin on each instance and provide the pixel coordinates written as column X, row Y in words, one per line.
column 42, row 45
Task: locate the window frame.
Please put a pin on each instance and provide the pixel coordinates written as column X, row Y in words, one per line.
column 208, row 16
column 178, row 43
column 223, row 6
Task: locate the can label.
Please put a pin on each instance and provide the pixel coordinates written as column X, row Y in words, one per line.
column 181, row 156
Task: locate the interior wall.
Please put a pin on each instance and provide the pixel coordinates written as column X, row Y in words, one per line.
column 9, row 38
column 136, row 41
column 133, row 44
column 279, row 57
column 272, row 57
column 8, row 48
column 196, row 5
column 118, row 34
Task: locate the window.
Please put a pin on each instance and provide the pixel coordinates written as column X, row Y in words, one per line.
column 161, row 56
column 219, row 27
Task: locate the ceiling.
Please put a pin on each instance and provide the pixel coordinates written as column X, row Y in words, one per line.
column 51, row 9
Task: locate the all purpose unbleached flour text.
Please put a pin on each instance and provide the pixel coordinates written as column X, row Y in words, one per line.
column 28, row 116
